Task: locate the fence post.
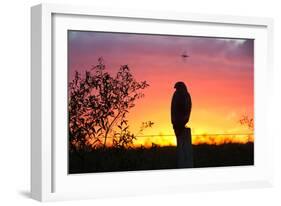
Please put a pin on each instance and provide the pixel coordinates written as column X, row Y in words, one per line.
column 184, row 149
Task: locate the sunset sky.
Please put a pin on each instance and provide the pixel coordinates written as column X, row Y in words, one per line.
column 218, row 74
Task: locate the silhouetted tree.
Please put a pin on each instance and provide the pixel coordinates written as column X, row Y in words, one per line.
column 98, row 104
column 247, row 121
column 124, row 138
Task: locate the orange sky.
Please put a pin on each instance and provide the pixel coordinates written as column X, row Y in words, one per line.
column 218, row 74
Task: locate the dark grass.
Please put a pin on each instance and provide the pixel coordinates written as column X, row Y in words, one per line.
column 112, row 160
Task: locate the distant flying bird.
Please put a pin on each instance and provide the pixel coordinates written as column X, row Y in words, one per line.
column 184, row 55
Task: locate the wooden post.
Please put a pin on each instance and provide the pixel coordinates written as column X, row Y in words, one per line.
column 184, row 149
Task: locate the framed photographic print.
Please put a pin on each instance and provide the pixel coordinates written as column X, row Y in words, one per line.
column 137, row 102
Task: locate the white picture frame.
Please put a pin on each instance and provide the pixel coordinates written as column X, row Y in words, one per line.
column 49, row 178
